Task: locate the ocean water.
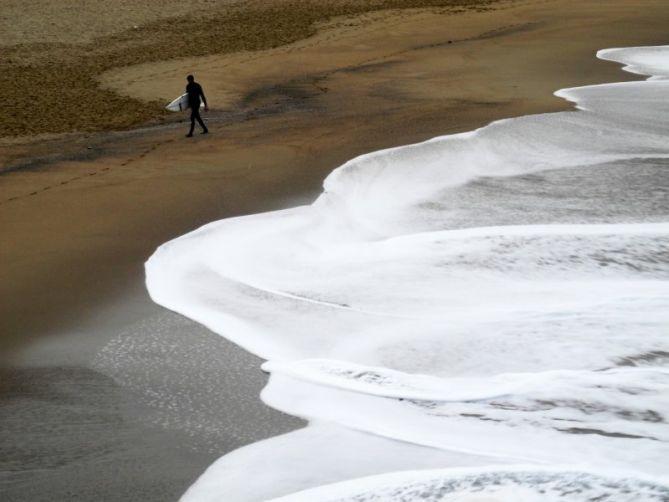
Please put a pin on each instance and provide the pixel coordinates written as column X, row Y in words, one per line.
column 480, row 317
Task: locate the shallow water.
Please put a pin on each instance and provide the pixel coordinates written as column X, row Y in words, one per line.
column 497, row 297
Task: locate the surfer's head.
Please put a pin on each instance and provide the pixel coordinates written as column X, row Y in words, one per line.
column 190, row 78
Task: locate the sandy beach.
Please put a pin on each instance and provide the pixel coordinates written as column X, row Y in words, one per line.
column 82, row 205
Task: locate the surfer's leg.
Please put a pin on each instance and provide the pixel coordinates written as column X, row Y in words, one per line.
column 192, row 123
column 201, row 122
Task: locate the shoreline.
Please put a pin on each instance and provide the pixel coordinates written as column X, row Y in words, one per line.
column 83, row 225
column 462, row 86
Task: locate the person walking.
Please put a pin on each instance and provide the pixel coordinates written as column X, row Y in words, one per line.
column 194, row 91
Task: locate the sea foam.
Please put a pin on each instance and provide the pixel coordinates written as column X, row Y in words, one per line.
column 483, row 299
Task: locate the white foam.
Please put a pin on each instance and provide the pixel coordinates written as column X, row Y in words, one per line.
column 316, row 455
column 649, row 61
column 503, row 292
column 520, row 484
column 581, row 417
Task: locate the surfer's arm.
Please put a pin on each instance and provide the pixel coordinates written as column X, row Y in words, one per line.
column 204, row 100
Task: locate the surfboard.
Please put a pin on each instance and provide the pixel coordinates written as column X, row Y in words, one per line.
column 180, row 104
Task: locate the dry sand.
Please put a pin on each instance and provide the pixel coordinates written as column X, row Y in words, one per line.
column 80, row 213
column 48, row 77
column 80, row 22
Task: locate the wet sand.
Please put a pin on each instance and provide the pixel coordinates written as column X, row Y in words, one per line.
column 79, row 215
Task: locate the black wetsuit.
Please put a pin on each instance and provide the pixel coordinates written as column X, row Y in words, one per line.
column 194, row 91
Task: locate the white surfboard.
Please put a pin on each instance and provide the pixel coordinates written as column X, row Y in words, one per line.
column 180, row 104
